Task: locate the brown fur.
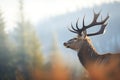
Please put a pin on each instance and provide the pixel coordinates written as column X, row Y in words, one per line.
column 100, row 67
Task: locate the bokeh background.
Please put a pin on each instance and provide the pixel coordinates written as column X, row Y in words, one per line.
column 32, row 33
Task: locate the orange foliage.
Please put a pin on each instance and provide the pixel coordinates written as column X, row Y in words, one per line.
column 110, row 71
column 57, row 72
column 38, row 74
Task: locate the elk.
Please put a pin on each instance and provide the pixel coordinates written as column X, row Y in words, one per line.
column 99, row 67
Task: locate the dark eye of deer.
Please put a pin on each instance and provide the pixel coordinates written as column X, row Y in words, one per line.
column 72, row 40
column 75, row 39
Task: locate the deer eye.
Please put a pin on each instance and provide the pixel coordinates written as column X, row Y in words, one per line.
column 75, row 38
column 72, row 40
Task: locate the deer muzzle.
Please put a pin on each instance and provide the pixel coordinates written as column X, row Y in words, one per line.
column 66, row 45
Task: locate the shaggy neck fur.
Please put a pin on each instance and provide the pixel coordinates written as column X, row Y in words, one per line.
column 87, row 53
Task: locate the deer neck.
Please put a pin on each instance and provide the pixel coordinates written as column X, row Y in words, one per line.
column 87, row 54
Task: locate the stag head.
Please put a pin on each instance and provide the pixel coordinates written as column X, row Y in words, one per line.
column 76, row 43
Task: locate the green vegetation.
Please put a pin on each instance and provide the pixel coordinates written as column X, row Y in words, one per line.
column 21, row 56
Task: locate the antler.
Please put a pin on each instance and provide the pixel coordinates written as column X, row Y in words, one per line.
column 93, row 23
column 78, row 31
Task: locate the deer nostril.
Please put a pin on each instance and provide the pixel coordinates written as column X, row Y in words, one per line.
column 65, row 44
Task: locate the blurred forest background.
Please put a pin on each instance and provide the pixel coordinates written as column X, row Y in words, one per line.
column 37, row 53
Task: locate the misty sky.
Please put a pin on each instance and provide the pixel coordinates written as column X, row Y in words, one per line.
column 37, row 10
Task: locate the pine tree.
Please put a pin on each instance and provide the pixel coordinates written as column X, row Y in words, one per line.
column 22, row 58
column 6, row 69
column 28, row 53
column 34, row 49
column 3, row 37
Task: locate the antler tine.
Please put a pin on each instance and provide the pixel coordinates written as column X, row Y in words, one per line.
column 77, row 25
column 102, row 22
column 74, row 30
column 83, row 23
column 96, row 15
column 94, row 22
column 101, row 31
column 78, row 31
column 73, row 27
